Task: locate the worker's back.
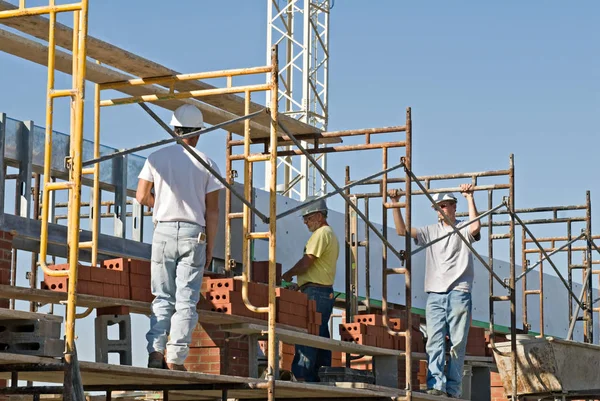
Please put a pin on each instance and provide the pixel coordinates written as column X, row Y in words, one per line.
column 180, row 184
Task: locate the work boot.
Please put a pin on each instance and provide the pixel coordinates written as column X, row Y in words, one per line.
column 156, row 360
column 435, row 391
column 174, row 366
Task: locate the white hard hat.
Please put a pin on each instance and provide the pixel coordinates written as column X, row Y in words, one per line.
column 444, row 196
column 318, row 206
column 188, row 116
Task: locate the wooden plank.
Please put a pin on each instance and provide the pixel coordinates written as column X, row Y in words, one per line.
column 38, row 53
column 138, row 66
column 92, row 301
column 293, row 337
column 106, row 374
column 14, row 314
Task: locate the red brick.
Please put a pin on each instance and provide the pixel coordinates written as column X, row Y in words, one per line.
column 353, row 328
column 223, row 284
column 58, row 284
column 259, row 272
column 225, row 296
column 141, row 294
column 372, row 319
column 84, row 273
column 139, row 267
column 118, row 264
column 4, row 276
column 95, row 288
column 295, row 297
column 139, row 280
column 123, row 292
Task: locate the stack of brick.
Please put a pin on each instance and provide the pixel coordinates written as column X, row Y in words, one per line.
column 476, row 342
column 5, row 261
column 370, row 330
column 213, row 352
column 115, row 278
column 496, row 388
column 139, row 280
column 293, row 307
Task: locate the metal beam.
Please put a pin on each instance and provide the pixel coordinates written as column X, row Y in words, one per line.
column 27, row 237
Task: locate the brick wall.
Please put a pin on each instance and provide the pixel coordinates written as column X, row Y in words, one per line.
column 212, row 351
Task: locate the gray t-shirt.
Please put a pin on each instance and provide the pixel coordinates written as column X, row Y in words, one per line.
column 449, row 262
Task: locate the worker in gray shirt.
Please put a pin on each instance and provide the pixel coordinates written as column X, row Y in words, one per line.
column 448, row 282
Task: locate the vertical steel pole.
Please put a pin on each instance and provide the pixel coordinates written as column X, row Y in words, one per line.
column 272, row 357
column 408, row 249
column 513, row 294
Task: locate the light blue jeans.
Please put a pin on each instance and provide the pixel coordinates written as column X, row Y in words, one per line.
column 447, row 314
column 177, row 267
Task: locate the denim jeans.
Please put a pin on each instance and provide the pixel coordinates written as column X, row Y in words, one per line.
column 308, row 360
column 447, row 314
column 177, row 267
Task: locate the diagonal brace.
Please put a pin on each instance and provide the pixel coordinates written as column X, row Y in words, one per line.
column 546, row 256
column 337, row 191
column 481, row 216
column 176, row 138
column 451, row 224
column 399, row 255
column 550, row 254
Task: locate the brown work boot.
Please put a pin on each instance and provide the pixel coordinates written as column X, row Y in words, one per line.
column 174, row 366
column 156, row 360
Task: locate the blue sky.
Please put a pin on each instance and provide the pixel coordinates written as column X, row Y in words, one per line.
column 484, row 80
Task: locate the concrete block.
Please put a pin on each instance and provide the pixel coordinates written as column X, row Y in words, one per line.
column 38, row 327
column 121, row 346
column 32, row 345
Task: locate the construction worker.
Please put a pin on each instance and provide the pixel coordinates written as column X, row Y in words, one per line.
column 448, row 282
column 316, row 274
column 185, row 213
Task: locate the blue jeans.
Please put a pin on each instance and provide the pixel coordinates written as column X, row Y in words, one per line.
column 177, row 267
column 308, row 360
column 447, row 314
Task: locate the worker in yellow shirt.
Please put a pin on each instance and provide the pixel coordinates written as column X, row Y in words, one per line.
column 316, row 273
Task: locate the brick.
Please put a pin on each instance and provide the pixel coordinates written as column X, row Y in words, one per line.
column 292, row 308
column 353, row 328
column 221, row 297
column 374, row 320
column 295, row 297
column 59, row 284
column 113, row 310
column 141, row 294
column 139, row 267
column 119, row 264
column 223, row 284
column 360, row 339
column 109, row 290
column 235, row 309
column 95, row 288
column 139, row 280
column 259, row 272
column 4, row 276
column 123, row 292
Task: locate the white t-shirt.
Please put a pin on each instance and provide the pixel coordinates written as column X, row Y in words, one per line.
column 449, row 262
column 180, row 184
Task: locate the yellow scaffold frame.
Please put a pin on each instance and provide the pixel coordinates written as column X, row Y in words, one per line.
column 74, row 160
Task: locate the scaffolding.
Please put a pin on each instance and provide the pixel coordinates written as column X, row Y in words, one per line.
column 240, row 119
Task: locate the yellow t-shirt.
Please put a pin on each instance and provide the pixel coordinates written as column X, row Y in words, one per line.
column 325, row 246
